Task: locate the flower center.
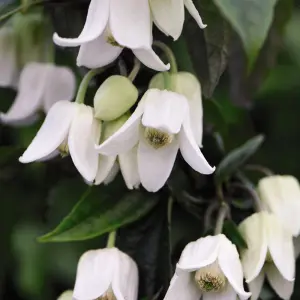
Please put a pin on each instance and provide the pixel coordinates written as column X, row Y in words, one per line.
column 108, row 295
column 210, row 278
column 157, row 138
column 64, row 149
column 111, row 40
column 269, row 258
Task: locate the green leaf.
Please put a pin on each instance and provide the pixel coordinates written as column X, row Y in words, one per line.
column 101, row 210
column 231, row 230
column 251, row 20
column 237, row 158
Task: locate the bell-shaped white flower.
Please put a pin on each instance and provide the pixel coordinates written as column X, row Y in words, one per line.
column 68, row 127
column 168, row 15
column 281, row 196
column 67, row 295
column 110, row 26
column 270, row 253
column 160, row 126
column 106, row 274
column 40, row 86
column 209, row 268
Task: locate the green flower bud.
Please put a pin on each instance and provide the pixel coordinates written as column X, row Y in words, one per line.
column 109, row 128
column 115, row 96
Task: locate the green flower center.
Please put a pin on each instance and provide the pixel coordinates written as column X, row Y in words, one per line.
column 111, row 40
column 157, row 138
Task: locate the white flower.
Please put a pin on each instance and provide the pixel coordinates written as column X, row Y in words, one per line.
column 209, row 267
column 168, row 15
column 281, row 195
column 40, row 86
column 270, row 253
column 110, row 26
column 68, row 127
column 160, row 126
column 67, row 295
column 106, row 274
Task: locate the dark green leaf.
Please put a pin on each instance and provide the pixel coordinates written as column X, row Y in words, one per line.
column 231, row 230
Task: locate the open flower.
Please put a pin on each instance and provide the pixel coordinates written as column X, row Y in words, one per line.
column 160, row 126
column 209, row 268
column 106, row 274
column 40, row 86
column 68, row 127
column 67, row 295
column 270, row 253
column 110, row 26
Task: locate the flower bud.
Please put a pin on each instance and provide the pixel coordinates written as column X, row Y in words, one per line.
column 115, row 96
column 67, row 295
column 109, row 128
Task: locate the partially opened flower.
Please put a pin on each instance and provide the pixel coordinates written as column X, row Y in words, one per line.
column 110, row 26
column 68, row 127
column 159, row 127
column 209, row 268
column 270, row 253
column 67, row 295
column 40, row 86
column 106, row 274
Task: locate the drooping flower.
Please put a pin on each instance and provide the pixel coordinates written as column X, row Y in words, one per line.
column 281, row 196
column 270, row 253
column 159, row 127
column 106, row 274
column 110, row 26
column 40, row 86
column 67, row 295
column 68, row 127
column 209, row 268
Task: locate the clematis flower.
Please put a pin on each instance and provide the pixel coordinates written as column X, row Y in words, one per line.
column 110, row 26
column 106, row 274
column 40, row 86
column 68, row 127
column 159, row 127
column 270, row 254
column 67, row 295
column 281, row 196
column 209, row 268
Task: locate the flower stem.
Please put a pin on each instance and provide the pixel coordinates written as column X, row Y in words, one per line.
column 221, row 218
column 265, row 171
column 135, row 70
column 111, row 239
column 170, row 55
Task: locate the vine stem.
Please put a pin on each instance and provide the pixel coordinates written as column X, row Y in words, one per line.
column 111, row 239
column 169, row 53
column 135, row 70
column 259, row 168
column 221, row 218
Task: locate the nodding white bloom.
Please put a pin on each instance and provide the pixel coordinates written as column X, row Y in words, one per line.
column 67, row 295
column 40, row 86
column 209, row 268
column 168, row 15
column 281, row 196
column 69, row 128
column 106, row 274
column 159, row 127
column 270, row 253
column 110, row 26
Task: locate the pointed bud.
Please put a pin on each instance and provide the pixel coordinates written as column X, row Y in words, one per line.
column 109, row 128
column 115, row 96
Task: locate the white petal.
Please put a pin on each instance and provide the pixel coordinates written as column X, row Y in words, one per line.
column 228, row 294
column 106, row 164
column 112, row 174
column 52, row 133
column 230, row 264
column 97, row 53
column 194, row 13
column 129, row 168
column 191, row 152
column 150, row 59
column 256, row 285
column 199, row 254
column 164, row 110
column 253, row 230
column 183, row 287
column 129, row 28
column 283, row 288
column 168, row 16
column 281, row 248
column 155, row 165
column 95, row 24
column 32, row 85
column 81, row 143
column 95, row 273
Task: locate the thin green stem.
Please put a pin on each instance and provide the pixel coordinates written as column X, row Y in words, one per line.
column 135, row 70
column 170, row 55
column 170, row 209
column 221, row 218
column 111, row 239
column 258, row 168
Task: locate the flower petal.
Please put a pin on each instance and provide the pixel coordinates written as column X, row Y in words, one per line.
column 67, row 295
column 164, row 110
column 194, row 12
column 191, row 152
column 112, row 174
column 256, row 285
column 131, row 29
column 32, row 85
column 106, row 164
column 230, row 264
column 168, row 16
column 52, row 133
column 155, row 165
column 150, row 59
column 228, row 294
column 81, row 143
column 95, row 24
column 97, row 53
